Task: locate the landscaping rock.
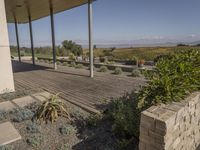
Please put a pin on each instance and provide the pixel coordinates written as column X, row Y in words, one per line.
column 8, row 134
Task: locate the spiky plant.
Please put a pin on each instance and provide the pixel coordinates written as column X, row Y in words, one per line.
column 51, row 109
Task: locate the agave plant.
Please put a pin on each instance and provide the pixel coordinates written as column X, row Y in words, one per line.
column 51, row 109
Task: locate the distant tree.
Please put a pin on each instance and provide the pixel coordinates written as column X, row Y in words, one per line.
column 181, row 44
column 197, row 45
column 95, row 47
column 72, row 47
column 113, row 48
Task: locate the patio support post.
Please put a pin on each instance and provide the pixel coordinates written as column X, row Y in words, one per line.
column 17, row 38
column 53, row 35
column 31, row 38
column 90, row 38
column 6, row 77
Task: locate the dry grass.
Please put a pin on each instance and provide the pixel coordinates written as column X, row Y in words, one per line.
column 147, row 53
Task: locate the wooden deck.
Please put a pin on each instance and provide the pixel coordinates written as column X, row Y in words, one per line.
column 74, row 84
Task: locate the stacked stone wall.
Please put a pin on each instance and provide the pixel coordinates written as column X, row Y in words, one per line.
column 175, row 126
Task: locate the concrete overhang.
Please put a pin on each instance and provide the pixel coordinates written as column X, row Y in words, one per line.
column 20, row 9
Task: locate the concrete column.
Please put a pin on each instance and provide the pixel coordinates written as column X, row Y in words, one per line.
column 6, row 74
column 90, row 38
column 53, row 35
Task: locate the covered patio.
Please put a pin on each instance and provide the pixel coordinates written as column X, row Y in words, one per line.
column 21, row 12
column 74, row 85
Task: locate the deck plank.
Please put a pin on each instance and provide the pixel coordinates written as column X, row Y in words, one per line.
column 74, row 84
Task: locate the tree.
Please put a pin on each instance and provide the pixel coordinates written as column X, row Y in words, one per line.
column 72, row 47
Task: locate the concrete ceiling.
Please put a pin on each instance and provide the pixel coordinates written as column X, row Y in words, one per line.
column 37, row 8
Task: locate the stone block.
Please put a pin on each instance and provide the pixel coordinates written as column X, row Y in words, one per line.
column 6, row 106
column 8, row 134
column 43, row 96
column 24, row 101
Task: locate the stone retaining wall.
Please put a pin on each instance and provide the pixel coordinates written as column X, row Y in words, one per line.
column 171, row 127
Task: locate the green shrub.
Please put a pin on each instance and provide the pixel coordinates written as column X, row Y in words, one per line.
column 58, row 63
column 33, row 128
column 72, row 64
column 21, row 114
column 64, row 147
column 65, row 64
column 7, row 147
column 93, row 120
column 103, row 69
column 35, row 141
column 67, row 129
column 124, row 116
column 79, row 66
column 118, row 71
column 136, row 73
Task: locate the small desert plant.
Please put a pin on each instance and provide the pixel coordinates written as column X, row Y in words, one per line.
column 32, row 128
column 51, row 109
column 21, row 114
column 67, row 129
column 46, row 61
column 7, row 147
column 51, row 62
column 79, row 66
column 58, row 63
column 3, row 115
column 136, row 73
column 135, row 60
column 65, row 64
column 72, row 64
column 64, row 147
column 103, row 69
column 93, row 120
column 35, row 140
column 118, row 71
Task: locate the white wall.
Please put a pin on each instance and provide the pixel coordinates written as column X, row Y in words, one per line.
column 6, row 74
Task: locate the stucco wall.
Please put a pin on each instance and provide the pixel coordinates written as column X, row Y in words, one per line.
column 171, row 127
column 6, row 75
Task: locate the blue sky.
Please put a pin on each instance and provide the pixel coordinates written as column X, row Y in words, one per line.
column 120, row 22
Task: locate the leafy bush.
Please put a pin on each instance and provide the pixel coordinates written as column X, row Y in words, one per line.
column 103, row 69
column 67, row 129
column 51, row 109
column 21, row 114
column 33, row 128
column 118, row 71
column 79, row 66
column 136, row 73
column 35, row 141
column 173, row 78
